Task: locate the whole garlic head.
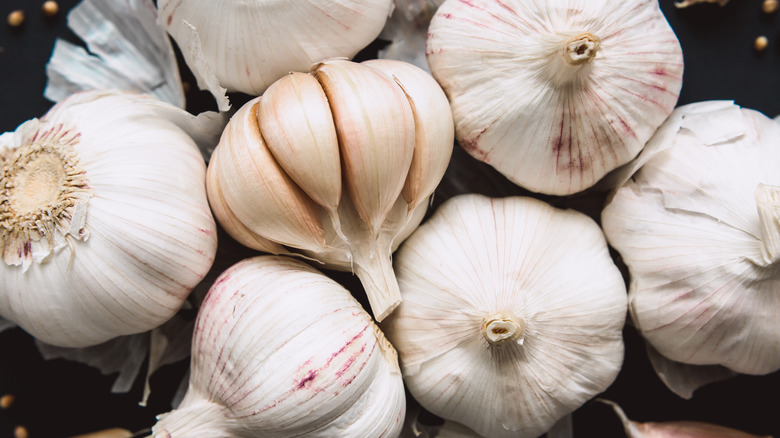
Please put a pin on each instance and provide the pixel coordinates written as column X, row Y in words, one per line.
column 104, row 223
column 699, row 228
column 555, row 94
column 247, row 45
column 281, row 350
column 512, row 314
column 341, row 163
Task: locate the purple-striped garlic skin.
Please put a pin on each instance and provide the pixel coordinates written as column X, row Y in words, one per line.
column 281, row 350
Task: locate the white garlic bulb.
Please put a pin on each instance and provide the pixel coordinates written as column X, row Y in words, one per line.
column 104, row 223
column 348, row 188
column 247, row 45
column 554, row 94
column 281, row 350
column 512, row 314
column 698, row 228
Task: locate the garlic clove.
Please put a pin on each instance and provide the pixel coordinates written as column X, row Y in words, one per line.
column 297, row 125
column 524, row 99
column 229, row 220
column 377, row 142
column 675, row 429
column 290, row 216
column 433, row 127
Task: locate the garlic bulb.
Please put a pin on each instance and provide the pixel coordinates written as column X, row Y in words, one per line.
column 555, row 94
column 247, row 45
column 697, row 226
column 512, row 314
column 351, row 185
column 281, row 350
column 104, row 222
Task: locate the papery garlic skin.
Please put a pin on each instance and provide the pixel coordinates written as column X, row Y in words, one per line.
column 342, row 162
column 281, row 350
column 105, row 223
column 555, row 94
column 697, row 228
column 512, row 314
column 247, row 45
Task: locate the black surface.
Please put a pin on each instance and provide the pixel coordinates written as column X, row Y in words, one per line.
column 60, row 398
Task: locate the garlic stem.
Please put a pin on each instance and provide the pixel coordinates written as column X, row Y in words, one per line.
column 499, row 328
column 768, row 204
column 375, row 271
column 581, row 48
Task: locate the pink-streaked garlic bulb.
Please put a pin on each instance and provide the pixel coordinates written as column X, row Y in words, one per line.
column 281, row 350
column 247, row 45
column 555, row 94
column 337, row 165
column 104, row 223
column 698, row 226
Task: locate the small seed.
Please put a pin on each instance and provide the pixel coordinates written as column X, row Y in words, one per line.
column 6, row 401
column 769, row 6
column 760, row 43
column 50, row 8
column 21, row 432
column 16, row 18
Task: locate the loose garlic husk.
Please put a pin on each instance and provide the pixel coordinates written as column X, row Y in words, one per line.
column 697, row 226
column 281, row 350
column 247, row 45
column 512, row 314
column 341, row 163
column 104, row 223
column 555, row 94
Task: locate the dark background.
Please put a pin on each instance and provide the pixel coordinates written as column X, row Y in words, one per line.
column 60, row 398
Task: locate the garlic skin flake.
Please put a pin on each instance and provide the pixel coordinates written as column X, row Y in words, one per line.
column 104, row 223
column 555, row 94
column 281, row 350
column 341, row 161
column 247, row 45
column 512, row 314
column 697, row 227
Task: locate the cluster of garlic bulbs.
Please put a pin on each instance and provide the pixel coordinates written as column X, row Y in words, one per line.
column 281, row 350
column 341, row 163
column 104, row 223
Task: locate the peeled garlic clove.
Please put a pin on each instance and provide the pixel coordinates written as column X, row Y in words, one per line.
column 246, row 46
column 281, row 350
column 696, row 228
column 434, row 137
column 676, row 429
column 556, row 94
column 105, row 227
column 297, row 125
column 377, row 142
column 291, row 217
column 512, row 314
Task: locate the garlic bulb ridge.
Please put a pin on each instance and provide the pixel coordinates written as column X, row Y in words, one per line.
column 555, row 94
column 281, row 350
column 104, row 222
column 512, row 314
column 342, row 162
